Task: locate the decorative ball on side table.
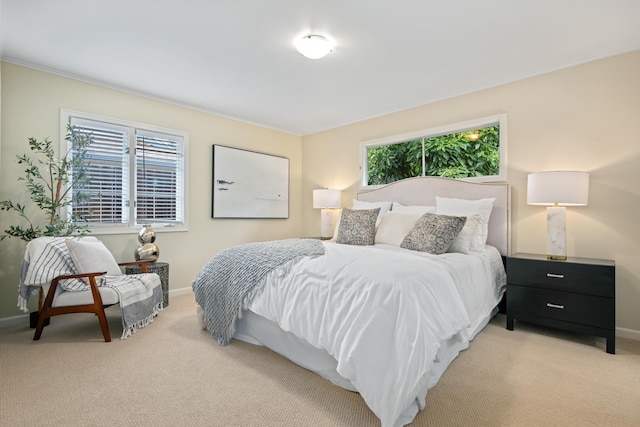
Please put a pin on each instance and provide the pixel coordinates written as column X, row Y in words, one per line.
column 147, row 250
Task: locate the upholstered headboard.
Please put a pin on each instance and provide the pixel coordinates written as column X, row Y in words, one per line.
column 423, row 191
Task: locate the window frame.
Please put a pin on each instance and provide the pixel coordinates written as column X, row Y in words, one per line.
column 498, row 119
column 132, row 226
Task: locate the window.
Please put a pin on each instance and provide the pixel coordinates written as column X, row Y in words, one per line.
column 137, row 175
column 473, row 150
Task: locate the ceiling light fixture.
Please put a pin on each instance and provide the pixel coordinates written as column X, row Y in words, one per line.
column 314, row 46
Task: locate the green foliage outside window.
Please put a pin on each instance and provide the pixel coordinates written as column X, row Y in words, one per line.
column 455, row 155
column 389, row 163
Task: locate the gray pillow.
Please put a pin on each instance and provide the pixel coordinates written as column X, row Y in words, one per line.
column 433, row 233
column 358, row 227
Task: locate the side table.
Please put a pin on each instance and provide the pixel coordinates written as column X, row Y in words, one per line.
column 161, row 269
column 576, row 294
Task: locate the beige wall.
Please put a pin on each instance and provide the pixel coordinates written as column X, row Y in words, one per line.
column 31, row 103
column 581, row 118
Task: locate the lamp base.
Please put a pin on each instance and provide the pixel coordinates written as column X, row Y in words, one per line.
column 556, row 233
column 326, row 219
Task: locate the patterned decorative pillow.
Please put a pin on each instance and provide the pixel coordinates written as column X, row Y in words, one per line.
column 384, row 207
column 433, row 233
column 358, row 226
column 359, row 204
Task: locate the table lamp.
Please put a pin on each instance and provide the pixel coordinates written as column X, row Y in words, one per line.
column 327, row 199
column 557, row 189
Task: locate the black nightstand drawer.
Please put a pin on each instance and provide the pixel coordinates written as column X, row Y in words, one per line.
column 563, row 276
column 565, row 306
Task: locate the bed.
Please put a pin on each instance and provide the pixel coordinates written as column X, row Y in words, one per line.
column 358, row 310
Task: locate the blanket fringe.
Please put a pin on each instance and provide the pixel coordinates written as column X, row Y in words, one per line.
column 142, row 323
column 22, row 304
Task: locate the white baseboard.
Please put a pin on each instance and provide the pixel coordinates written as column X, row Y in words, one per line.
column 20, row 319
column 632, row 334
column 181, row 291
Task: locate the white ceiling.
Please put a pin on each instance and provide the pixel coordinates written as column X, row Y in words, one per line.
column 236, row 58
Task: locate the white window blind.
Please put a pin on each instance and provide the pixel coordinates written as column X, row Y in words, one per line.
column 137, row 175
column 108, row 189
column 159, row 178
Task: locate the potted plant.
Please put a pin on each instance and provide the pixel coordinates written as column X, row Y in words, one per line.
column 49, row 182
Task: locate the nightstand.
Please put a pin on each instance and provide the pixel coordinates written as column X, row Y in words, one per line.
column 576, row 294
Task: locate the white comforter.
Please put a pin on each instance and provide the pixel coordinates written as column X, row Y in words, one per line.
column 381, row 312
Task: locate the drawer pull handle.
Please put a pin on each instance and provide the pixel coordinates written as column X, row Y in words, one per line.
column 555, row 306
column 555, row 276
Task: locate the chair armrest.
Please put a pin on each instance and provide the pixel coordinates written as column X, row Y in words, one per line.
column 92, row 284
column 77, row 276
column 141, row 263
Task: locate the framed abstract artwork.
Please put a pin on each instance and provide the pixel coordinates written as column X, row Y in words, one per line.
column 248, row 184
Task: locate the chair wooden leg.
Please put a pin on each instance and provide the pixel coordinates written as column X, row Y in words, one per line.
column 42, row 317
column 102, row 318
column 44, row 307
column 96, row 307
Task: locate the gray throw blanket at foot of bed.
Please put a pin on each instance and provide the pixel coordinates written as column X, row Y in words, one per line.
column 227, row 284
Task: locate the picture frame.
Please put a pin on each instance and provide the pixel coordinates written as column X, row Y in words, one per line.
column 249, row 184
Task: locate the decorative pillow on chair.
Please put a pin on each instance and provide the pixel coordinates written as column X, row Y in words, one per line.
column 433, row 233
column 50, row 258
column 90, row 257
column 358, row 227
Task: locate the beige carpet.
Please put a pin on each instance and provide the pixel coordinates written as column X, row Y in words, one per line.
column 173, row 374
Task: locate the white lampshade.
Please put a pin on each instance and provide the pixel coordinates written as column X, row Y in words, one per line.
column 327, row 198
column 564, row 188
column 314, row 46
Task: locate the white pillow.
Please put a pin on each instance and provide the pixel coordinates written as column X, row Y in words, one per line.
column 91, row 257
column 482, row 207
column 397, row 207
column 464, row 240
column 395, row 226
